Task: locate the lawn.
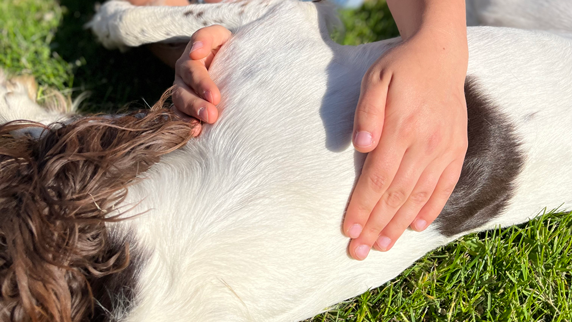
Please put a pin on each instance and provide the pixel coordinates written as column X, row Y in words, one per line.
column 516, row 274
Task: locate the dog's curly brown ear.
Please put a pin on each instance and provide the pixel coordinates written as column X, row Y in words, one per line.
column 56, row 195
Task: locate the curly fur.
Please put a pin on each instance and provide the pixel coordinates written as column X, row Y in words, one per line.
column 56, row 195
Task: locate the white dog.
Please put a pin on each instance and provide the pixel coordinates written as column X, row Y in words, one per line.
column 244, row 222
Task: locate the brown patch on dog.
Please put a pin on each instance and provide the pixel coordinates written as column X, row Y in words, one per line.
column 56, row 195
column 492, row 164
column 187, row 13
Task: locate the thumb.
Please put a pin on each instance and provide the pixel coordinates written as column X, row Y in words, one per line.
column 370, row 113
column 207, row 41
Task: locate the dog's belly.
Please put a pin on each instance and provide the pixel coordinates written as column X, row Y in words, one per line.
column 245, row 222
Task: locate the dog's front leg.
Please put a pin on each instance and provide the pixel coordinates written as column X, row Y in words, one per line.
column 118, row 24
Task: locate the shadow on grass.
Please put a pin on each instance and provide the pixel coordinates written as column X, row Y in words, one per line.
column 113, row 79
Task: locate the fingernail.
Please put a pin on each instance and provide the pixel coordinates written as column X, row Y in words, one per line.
column 208, row 96
column 420, row 225
column 362, row 251
column 383, row 243
column 203, row 114
column 355, row 231
column 363, row 139
column 197, row 45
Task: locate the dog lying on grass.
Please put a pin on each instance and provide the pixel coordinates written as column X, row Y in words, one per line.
column 243, row 222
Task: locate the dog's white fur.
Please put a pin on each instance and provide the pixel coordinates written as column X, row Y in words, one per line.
column 553, row 15
column 243, row 224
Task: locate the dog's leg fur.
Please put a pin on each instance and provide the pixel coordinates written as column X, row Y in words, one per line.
column 118, row 24
column 552, row 15
column 17, row 102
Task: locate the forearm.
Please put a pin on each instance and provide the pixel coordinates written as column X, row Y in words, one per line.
column 413, row 16
column 439, row 25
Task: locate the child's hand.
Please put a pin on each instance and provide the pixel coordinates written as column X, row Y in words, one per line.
column 412, row 118
column 414, row 94
column 194, row 93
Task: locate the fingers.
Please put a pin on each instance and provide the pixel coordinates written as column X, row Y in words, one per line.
column 398, row 181
column 390, row 202
column 370, row 111
column 207, row 41
column 196, row 126
column 378, row 172
column 195, row 94
column 187, row 102
column 439, row 198
column 404, row 217
column 402, row 206
column 204, row 45
column 195, row 75
column 413, row 126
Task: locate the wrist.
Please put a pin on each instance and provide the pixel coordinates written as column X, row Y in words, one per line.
column 414, row 16
column 442, row 40
column 440, row 54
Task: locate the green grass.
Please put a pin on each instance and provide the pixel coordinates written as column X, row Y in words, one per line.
column 516, row 274
column 46, row 38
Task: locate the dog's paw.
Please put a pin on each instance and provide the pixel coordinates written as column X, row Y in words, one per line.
column 17, row 101
column 106, row 24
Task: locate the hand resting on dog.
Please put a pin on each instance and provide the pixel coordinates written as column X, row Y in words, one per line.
column 411, row 118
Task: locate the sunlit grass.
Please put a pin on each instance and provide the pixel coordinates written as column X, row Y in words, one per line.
column 515, row 274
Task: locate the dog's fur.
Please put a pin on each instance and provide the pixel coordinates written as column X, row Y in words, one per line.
column 243, row 223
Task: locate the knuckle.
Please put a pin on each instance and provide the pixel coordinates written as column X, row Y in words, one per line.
column 434, row 141
column 363, row 209
column 395, row 199
column 377, row 182
column 374, row 76
column 373, row 230
column 407, row 131
column 199, row 33
column 178, row 63
column 176, row 94
column 368, row 110
column 370, row 77
column 448, row 189
column 419, row 197
column 181, row 63
column 408, row 128
column 218, row 29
